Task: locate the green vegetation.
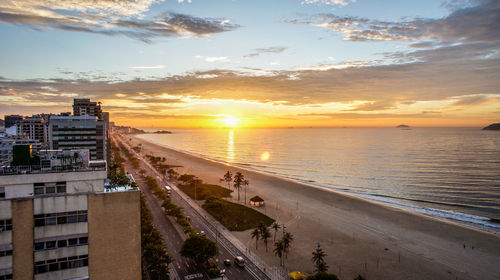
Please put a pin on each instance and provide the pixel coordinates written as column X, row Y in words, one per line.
column 234, row 216
column 155, row 259
column 204, row 191
column 170, row 208
column 239, row 182
column 318, row 260
column 199, row 248
column 117, row 177
column 196, row 189
column 130, row 156
column 158, row 164
column 282, row 247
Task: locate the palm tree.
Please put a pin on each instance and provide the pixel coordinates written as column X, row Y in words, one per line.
column 287, row 243
column 256, row 235
column 265, row 234
column 228, row 177
column 276, row 227
column 196, row 182
column 318, row 259
column 279, row 249
column 239, row 180
column 245, row 184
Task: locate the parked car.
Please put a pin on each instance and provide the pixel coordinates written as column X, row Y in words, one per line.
column 203, row 233
column 227, row 262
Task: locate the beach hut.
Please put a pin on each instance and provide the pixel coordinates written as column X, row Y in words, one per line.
column 256, row 201
column 297, row 275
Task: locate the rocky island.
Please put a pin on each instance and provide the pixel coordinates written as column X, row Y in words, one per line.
column 495, row 126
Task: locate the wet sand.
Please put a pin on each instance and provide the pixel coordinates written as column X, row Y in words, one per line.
column 359, row 236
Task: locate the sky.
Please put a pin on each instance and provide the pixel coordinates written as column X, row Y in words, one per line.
column 264, row 63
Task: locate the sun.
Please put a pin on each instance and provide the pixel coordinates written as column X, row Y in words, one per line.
column 230, row 121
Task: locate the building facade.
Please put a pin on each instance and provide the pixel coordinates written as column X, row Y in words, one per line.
column 84, row 107
column 78, row 132
column 34, row 128
column 59, row 223
column 11, row 120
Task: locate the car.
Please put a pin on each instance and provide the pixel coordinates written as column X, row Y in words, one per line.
column 239, row 261
column 227, row 262
column 203, row 233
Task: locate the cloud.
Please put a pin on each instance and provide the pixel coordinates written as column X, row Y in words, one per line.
column 328, row 66
column 374, row 106
column 328, row 2
column 270, row 50
column 110, row 18
column 474, row 100
column 213, row 58
column 148, row 67
column 479, row 23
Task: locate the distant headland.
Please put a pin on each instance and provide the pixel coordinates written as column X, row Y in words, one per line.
column 133, row 130
column 495, row 126
column 403, row 126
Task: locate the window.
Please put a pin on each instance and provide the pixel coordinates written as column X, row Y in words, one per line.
column 5, row 225
column 61, row 218
column 2, row 192
column 61, row 263
column 6, row 253
column 60, row 243
column 49, row 188
column 6, row 277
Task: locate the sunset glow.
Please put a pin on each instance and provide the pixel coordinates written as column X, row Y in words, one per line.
column 182, row 63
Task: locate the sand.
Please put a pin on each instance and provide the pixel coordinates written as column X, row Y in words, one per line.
column 359, row 236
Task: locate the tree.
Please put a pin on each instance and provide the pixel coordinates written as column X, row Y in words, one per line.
column 199, row 248
column 245, row 184
column 265, row 234
column 276, row 227
column 323, row 276
column 278, row 250
column 287, row 243
column 318, row 259
column 196, row 182
column 228, row 177
column 256, row 234
column 239, row 180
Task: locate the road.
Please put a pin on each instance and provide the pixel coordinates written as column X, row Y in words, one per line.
column 199, row 221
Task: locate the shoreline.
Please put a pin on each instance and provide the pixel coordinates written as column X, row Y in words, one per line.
column 369, row 198
column 358, row 232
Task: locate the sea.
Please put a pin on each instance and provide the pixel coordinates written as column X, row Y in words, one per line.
column 448, row 173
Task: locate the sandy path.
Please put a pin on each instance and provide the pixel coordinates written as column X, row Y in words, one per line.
column 359, row 237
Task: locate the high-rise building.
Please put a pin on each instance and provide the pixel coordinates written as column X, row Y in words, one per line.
column 58, row 222
column 34, row 128
column 105, row 118
column 11, row 120
column 84, row 107
column 78, row 132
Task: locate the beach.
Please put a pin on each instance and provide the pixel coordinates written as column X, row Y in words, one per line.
column 359, row 236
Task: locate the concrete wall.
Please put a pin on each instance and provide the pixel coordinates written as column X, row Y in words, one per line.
column 114, row 236
column 5, row 210
column 56, row 204
column 60, row 230
column 22, row 237
column 17, row 186
column 64, row 274
column 61, row 253
column 5, row 262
